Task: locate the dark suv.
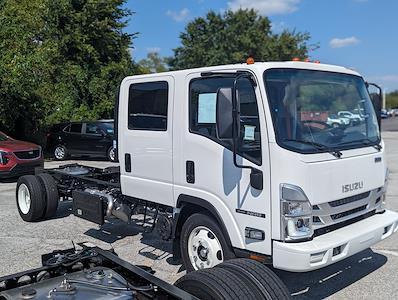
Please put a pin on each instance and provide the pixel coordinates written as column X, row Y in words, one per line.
column 92, row 139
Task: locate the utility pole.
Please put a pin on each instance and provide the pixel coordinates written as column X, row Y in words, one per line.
column 384, row 98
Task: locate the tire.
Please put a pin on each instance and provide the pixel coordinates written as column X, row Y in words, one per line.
column 111, row 154
column 30, row 198
column 258, row 277
column 335, row 125
column 208, row 246
column 50, row 192
column 60, row 152
column 216, row 284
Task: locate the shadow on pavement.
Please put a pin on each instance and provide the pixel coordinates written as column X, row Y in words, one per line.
column 325, row 282
column 113, row 230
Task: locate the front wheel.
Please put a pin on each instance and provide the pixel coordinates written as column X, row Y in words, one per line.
column 203, row 244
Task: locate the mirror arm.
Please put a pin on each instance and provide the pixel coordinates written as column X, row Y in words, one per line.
column 236, row 126
column 256, row 176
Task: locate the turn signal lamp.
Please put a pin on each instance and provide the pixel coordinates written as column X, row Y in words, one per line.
column 250, row 60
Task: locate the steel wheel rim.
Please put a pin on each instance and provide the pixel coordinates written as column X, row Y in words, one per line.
column 204, row 248
column 112, row 154
column 59, row 152
column 24, row 200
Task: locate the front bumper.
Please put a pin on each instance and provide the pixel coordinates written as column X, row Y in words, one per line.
column 22, row 169
column 334, row 246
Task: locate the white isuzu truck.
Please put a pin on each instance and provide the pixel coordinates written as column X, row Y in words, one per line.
column 237, row 161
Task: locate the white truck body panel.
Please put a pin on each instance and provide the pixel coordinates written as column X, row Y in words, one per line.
column 158, row 174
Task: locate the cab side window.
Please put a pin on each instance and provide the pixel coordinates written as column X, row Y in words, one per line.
column 147, row 107
column 202, row 110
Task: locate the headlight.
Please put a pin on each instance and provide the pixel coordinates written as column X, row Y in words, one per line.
column 382, row 206
column 296, row 213
column 3, row 158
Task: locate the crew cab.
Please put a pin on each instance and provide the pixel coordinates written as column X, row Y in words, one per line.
column 227, row 163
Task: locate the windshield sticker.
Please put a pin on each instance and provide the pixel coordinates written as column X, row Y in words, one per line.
column 249, row 133
column 207, row 108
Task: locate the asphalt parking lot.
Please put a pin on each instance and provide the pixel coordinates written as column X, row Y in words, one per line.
column 371, row 274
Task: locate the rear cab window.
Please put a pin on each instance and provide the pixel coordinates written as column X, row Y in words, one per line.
column 147, row 106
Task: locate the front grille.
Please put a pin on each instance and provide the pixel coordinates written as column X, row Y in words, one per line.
column 348, row 212
column 331, row 214
column 327, row 229
column 349, row 199
column 31, row 154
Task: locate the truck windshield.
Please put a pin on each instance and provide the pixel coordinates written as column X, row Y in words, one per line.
column 316, row 111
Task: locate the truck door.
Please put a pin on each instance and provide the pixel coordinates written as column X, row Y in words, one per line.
column 205, row 165
column 145, row 138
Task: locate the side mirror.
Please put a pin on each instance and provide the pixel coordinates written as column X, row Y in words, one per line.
column 225, row 115
column 377, row 98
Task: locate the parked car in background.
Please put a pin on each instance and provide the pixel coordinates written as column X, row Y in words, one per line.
column 384, row 114
column 18, row 157
column 90, row 139
column 336, row 121
column 355, row 119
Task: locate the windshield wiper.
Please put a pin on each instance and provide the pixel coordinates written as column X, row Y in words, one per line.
column 366, row 141
column 318, row 146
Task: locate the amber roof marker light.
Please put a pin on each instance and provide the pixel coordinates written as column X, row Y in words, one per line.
column 296, row 59
column 250, row 60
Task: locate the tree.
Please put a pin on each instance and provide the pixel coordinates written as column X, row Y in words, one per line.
column 392, row 100
column 232, row 37
column 153, row 63
column 60, row 60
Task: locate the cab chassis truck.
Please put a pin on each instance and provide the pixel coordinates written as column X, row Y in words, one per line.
column 237, row 161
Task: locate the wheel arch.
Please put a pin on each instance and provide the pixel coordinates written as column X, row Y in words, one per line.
column 188, row 206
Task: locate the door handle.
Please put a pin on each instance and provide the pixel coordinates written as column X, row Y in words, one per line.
column 190, row 171
column 127, row 162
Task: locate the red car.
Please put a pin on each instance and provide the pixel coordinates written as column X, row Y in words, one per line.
column 18, row 157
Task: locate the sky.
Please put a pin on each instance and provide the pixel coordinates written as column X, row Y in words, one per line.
column 359, row 34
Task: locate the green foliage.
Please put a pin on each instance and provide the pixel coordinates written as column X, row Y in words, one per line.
column 230, row 38
column 153, row 63
column 392, row 100
column 60, row 60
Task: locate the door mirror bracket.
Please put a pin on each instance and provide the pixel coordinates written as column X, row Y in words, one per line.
column 228, row 125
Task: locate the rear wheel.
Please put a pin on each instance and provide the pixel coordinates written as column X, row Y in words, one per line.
column 216, row 284
column 60, row 152
column 50, row 191
column 30, row 199
column 258, row 277
column 203, row 244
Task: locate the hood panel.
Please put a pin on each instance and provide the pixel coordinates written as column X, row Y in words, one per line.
column 341, row 178
column 15, row 145
column 322, row 176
